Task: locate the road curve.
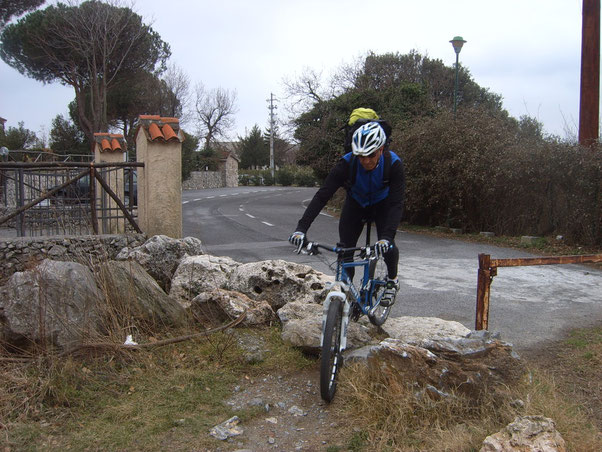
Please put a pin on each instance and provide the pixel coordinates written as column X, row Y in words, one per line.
column 438, row 276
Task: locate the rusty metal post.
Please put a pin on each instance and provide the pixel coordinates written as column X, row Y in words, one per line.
column 589, row 108
column 93, row 215
column 483, row 286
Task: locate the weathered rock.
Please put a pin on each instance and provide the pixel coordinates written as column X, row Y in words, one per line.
column 227, row 429
column 469, row 373
column 280, row 282
column 133, row 293
column 233, row 304
column 414, row 329
column 302, row 327
column 53, row 303
column 526, row 434
column 160, row 256
column 198, row 274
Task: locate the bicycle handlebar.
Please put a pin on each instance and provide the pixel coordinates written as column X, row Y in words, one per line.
column 312, row 248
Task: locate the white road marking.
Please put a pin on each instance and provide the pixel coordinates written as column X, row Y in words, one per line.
column 185, row 202
column 267, row 224
column 249, row 215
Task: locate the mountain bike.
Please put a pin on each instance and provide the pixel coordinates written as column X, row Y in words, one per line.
column 346, row 301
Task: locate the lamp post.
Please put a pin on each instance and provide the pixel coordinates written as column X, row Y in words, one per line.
column 457, row 42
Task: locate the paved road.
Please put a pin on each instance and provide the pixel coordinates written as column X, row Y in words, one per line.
column 438, row 276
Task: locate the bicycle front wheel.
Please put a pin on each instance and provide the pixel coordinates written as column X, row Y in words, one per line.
column 331, row 350
column 378, row 271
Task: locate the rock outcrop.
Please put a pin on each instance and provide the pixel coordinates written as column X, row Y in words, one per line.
column 160, row 256
column 51, row 304
column 228, row 304
column 302, row 327
column 279, row 282
column 526, row 434
column 198, row 274
column 130, row 292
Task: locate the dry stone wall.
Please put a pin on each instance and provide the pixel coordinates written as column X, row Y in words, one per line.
column 199, row 180
column 18, row 254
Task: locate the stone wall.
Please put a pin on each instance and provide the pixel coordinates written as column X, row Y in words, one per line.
column 231, row 172
column 17, row 254
column 204, row 179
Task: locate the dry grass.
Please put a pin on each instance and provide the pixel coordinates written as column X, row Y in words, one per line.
column 398, row 417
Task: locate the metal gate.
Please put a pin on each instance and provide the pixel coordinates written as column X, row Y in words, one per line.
column 64, row 198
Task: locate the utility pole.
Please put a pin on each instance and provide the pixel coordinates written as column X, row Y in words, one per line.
column 589, row 103
column 272, row 108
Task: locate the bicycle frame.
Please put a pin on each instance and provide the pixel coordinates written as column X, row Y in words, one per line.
column 362, row 297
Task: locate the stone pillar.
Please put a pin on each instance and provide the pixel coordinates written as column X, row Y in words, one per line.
column 159, row 147
column 110, row 148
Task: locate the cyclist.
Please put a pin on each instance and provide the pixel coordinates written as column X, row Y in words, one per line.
column 370, row 196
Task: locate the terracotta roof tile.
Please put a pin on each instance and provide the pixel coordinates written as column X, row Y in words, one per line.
column 155, row 132
column 168, row 132
column 159, row 128
column 110, row 142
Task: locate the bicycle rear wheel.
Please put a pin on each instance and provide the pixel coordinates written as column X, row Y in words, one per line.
column 331, row 354
column 378, row 271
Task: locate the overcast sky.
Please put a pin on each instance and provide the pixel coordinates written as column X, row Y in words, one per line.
column 528, row 51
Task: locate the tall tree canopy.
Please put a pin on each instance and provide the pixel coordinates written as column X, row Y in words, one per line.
column 399, row 87
column 88, row 47
column 66, row 137
column 15, row 8
column 253, row 149
column 17, row 138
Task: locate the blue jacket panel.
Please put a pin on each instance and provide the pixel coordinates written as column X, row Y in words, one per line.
column 368, row 188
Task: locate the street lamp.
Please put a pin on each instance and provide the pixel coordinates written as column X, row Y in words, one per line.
column 457, row 42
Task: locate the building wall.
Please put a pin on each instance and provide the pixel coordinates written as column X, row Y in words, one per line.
column 227, row 176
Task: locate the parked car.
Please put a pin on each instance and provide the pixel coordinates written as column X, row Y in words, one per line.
column 74, row 193
column 79, row 190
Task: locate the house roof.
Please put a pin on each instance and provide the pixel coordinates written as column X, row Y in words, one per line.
column 110, row 142
column 227, row 149
column 157, row 128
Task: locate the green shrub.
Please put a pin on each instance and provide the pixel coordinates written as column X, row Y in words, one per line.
column 304, row 177
column 267, row 177
column 286, row 176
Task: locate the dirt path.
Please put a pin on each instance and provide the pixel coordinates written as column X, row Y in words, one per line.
column 293, row 416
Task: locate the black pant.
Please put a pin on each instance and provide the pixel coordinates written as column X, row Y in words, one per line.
column 351, row 224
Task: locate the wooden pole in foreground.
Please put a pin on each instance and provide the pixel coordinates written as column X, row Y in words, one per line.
column 589, row 103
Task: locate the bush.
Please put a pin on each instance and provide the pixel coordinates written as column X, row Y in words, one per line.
column 304, row 177
column 481, row 172
column 267, row 177
column 286, row 176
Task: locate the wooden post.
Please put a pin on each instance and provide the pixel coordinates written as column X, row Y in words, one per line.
column 483, row 287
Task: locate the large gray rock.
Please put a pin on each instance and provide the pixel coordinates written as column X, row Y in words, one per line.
column 415, row 329
column 279, row 282
column 471, row 374
column 133, row 294
column 198, row 274
column 302, row 327
column 160, row 256
column 213, row 305
column 53, row 303
column 526, row 434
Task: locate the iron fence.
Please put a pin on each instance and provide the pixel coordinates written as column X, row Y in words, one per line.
column 67, row 198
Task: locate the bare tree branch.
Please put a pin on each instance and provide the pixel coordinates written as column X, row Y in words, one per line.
column 215, row 110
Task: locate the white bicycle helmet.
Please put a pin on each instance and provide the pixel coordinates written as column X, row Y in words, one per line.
column 367, row 139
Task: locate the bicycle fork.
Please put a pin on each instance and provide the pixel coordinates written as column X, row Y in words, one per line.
column 344, row 319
